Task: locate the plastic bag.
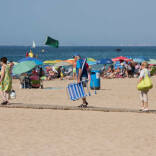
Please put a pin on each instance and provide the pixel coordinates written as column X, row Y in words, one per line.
column 13, row 94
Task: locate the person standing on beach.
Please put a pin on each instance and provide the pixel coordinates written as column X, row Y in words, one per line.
column 74, row 67
column 144, row 93
column 5, row 81
column 82, row 75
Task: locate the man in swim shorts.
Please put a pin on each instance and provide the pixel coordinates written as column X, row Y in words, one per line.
column 82, row 75
column 74, row 67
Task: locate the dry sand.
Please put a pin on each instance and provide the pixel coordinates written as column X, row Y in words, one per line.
column 29, row 132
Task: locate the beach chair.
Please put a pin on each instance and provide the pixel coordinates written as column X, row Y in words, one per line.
column 76, row 91
column 35, row 81
column 26, row 83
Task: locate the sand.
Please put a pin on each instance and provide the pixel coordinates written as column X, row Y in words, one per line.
column 31, row 132
column 120, row 93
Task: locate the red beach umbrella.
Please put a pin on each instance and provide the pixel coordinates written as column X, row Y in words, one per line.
column 121, row 58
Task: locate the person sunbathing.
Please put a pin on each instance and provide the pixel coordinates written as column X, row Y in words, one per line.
column 51, row 75
column 118, row 73
column 109, row 73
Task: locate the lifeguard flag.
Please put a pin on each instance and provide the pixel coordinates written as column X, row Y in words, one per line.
column 52, row 42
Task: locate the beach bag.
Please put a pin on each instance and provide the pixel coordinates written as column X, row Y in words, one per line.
column 145, row 83
column 13, row 94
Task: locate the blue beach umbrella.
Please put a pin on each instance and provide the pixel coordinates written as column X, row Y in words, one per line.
column 104, row 61
column 138, row 60
column 144, row 58
column 37, row 62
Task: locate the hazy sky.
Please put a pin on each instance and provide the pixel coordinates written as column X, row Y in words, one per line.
column 78, row 22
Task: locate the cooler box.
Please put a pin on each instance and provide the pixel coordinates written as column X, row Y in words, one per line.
column 95, row 80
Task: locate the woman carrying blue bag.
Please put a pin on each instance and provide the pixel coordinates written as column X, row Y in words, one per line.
column 144, row 84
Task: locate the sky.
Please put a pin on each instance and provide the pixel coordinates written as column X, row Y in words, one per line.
column 78, row 22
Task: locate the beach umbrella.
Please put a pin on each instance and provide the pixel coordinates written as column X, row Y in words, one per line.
column 97, row 67
column 104, row 61
column 121, row 58
column 52, row 61
column 15, row 63
column 91, row 59
column 62, row 64
column 38, row 62
column 71, row 61
column 152, row 61
column 138, row 60
column 90, row 63
column 144, row 58
column 23, row 67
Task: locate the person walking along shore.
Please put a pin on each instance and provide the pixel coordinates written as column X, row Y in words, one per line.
column 144, row 93
column 5, row 81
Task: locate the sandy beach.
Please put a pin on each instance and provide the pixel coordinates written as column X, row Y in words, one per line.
column 120, row 93
column 29, row 132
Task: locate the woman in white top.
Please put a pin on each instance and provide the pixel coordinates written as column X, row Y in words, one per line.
column 144, row 93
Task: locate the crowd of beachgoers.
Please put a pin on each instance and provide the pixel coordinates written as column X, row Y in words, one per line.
column 125, row 69
column 114, row 68
column 119, row 69
column 78, row 70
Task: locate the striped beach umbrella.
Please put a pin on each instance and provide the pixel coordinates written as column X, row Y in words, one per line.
column 52, row 61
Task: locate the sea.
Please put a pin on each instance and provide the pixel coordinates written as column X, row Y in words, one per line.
column 15, row 53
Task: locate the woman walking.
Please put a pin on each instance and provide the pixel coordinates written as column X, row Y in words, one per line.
column 5, row 81
column 144, row 93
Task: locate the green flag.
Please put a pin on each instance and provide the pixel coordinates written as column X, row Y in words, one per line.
column 52, row 42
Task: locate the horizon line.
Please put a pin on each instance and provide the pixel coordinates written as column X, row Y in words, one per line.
column 120, row 45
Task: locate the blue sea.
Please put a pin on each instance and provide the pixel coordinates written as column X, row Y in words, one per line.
column 15, row 53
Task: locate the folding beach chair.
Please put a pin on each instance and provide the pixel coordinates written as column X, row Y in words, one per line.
column 76, row 91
